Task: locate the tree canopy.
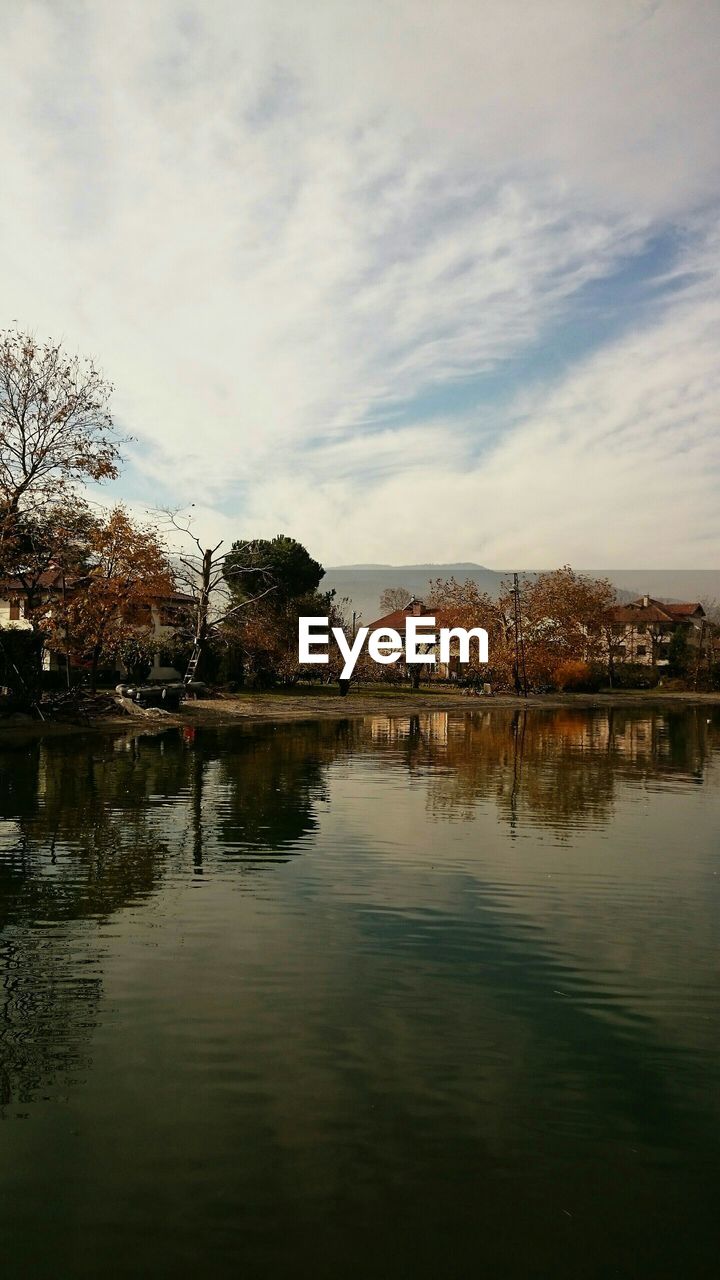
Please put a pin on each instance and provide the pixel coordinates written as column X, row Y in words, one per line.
column 55, row 422
column 109, row 611
column 560, row 615
column 393, row 598
column 280, row 562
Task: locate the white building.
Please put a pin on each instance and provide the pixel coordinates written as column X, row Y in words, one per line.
column 641, row 631
column 165, row 616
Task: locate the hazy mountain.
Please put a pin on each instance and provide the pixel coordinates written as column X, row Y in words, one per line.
column 363, row 584
column 394, row 568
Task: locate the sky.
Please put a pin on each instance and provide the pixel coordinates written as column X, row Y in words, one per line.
column 410, row 281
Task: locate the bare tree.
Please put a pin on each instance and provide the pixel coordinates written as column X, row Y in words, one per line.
column 712, row 609
column 394, row 598
column 204, row 575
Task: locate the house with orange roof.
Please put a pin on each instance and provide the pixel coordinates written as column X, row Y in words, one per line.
column 398, row 620
column 641, row 631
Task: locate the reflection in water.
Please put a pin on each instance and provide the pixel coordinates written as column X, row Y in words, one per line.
column 428, row 992
column 557, row 768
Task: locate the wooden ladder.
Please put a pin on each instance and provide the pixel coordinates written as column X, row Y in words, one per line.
column 192, row 665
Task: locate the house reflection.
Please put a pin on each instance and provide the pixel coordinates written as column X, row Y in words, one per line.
column 560, row 767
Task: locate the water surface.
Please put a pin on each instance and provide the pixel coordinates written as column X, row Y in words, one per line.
column 421, row 997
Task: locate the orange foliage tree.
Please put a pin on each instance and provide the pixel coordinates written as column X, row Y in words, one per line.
column 561, row 615
column 267, row 635
column 463, row 604
column 56, row 430
column 109, row 608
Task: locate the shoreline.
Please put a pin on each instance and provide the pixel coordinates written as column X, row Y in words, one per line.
column 288, row 707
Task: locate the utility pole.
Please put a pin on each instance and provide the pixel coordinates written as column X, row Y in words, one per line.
column 520, row 667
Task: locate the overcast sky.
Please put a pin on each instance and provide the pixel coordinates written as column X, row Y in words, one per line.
column 408, row 280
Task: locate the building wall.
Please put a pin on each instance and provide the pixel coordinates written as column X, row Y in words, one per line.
column 163, row 634
column 638, row 642
column 8, row 620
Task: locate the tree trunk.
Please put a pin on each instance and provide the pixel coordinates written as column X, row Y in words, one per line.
column 94, row 667
column 203, row 609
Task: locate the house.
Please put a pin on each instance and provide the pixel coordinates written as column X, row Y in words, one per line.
column 166, row 616
column 14, row 598
column 397, row 621
column 641, row 631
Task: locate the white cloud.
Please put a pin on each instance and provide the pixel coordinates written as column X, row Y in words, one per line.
column 616, row 464
column 274, row 225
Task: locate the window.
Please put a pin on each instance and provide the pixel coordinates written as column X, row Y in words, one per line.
column 138, row 615
column 173, row 615
column 641, row 650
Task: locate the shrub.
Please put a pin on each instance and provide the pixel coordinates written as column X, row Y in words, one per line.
column 678, row 653
column 633, row 675
column 573, row 675
column 21, row 663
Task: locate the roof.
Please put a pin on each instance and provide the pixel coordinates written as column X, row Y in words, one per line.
column 177, row 597
column 397, row 620
column 49, row 580
column 685, row 610
column 654, row 611
column 52, row 580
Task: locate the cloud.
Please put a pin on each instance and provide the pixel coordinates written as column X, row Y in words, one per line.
column 281, row 232
column 616, row 463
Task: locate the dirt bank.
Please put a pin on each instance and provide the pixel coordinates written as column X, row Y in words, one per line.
column 311, row 705
column 326, row 703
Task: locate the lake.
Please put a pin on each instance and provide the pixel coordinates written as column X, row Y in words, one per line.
column 432, row 996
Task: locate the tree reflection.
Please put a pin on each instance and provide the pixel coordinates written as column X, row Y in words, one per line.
column 558, row 768
column 273, row 781
column 91, row 826
column 77, row 845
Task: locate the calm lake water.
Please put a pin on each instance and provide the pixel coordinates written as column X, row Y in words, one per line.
column 430, row 997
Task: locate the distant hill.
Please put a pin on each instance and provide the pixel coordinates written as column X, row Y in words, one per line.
column 363, row 584
column 395, row 568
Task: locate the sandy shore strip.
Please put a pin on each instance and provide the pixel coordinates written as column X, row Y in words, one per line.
column 227, row 710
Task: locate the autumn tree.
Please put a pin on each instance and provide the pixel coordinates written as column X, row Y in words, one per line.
column 267, row 636
column 45, row 548
column 560, row 613
column 51, row 542
column 56, row 429
column 393, row 598
column 563, row 615
column 463, row 604
column 110, row 607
